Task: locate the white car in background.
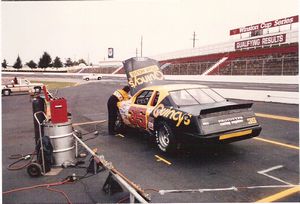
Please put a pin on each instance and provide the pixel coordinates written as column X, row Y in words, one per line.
column 92, row 77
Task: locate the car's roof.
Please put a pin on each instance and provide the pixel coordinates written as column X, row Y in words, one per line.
column 172, row 87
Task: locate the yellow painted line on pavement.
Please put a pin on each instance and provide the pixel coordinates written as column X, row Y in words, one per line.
column 279, row 195
column 277, row 143
column 277, row 117
column 91, row 122
column 162, row 159
column 119, row 135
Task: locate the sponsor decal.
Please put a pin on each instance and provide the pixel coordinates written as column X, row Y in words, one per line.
column 172, row 114
column 231, row 121
column 151, row 123
column 269, row 40
column 265, row 25
column 251, row 120
column 145, row 75
column 205, row 123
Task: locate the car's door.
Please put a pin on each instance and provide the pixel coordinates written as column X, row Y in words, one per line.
column 24, row 85
column 140, row 109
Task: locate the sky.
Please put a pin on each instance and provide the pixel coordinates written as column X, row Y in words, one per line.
column 86, row 29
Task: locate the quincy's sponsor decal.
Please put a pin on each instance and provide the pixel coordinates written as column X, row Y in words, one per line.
column 144, row 75
column 172, row 114
column 230, row 121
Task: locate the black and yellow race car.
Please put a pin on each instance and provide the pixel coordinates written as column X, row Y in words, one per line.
column 177, row 112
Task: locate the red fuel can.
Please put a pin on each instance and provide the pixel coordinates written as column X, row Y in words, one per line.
column 58, row 109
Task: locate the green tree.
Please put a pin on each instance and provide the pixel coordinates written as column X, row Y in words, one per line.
column 57, row 62
column 45, row 61
column 69, row 62
column 75, row 63
column 31, row 64
column 18, row 63
column 4, row 64
column 82, row 61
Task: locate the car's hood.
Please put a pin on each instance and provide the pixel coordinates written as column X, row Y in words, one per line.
column 142, row 72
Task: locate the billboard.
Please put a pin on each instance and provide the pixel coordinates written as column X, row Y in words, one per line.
column 257, row 42
column 265, row 25
column 110, row 52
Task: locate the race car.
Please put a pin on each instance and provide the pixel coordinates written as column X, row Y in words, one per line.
column 177, row 113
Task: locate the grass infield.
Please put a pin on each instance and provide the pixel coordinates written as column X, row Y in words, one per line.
column 52, row 85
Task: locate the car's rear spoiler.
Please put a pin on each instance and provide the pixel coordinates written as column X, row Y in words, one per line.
column 226, row 108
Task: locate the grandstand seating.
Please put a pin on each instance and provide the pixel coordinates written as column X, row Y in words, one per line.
column 275, row 60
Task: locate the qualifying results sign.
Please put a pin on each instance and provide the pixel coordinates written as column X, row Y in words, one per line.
column 265, row 25
column 269, row 40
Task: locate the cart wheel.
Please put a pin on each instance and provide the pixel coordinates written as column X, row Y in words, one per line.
column 34, row 170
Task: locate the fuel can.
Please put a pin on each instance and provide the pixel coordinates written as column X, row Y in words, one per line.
column 58, row 109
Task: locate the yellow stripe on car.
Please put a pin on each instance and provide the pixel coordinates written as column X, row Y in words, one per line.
column 235, row 134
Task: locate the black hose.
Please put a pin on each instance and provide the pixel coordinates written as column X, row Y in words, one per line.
column 20, row 158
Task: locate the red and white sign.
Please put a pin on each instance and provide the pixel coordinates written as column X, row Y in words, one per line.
column 269, row 40
column 265, row 25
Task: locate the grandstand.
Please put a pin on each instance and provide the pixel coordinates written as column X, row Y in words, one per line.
column 271, row 51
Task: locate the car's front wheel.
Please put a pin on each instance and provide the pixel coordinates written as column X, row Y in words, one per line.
column 99, row 78
column 165, row 138
column 6, row 92
column 87, row 79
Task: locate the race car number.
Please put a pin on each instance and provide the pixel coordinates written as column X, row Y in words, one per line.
column 137, row 117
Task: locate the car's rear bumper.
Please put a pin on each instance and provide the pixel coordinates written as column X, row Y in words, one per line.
column 228, row 136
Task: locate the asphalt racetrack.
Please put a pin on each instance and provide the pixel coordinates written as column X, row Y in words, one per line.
column 264, row 169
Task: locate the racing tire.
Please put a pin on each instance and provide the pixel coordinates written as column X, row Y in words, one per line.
column 6, row 92
column 34, row 170
column 87, row 79
column 165, row 138
column 99, row 78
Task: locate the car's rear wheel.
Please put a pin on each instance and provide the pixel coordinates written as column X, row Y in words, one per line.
column 165, row 138
column 99, row 78
column 87, row 79
column 6, row 92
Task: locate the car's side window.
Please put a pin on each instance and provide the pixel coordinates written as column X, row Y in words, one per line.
column 144, row 97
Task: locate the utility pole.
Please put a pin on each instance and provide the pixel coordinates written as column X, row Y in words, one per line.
column 136, row 52
column 141, row 46
column 194, row 39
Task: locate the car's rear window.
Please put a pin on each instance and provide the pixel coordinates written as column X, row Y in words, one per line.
column 195, row 96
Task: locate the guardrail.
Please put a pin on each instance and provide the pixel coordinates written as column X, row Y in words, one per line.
column 216, row 78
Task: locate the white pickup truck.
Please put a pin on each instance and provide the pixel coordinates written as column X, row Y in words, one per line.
column 92, row 76
column 23, row 85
